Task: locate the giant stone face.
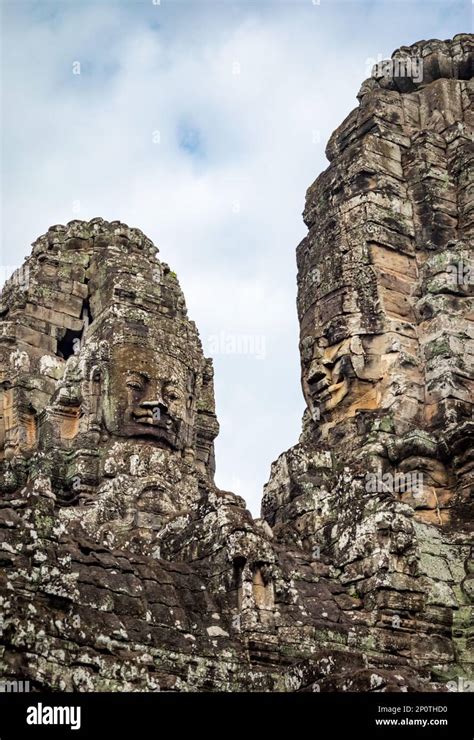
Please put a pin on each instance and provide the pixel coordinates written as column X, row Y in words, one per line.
column 150, row 395
column 111, row 357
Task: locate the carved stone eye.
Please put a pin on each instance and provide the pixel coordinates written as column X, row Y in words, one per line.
column 134, row 384
column 172, row 394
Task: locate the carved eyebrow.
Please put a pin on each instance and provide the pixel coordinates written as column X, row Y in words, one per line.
column 172, row 388
column 136, row 373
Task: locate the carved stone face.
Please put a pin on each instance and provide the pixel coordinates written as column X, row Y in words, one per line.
column 150, row 395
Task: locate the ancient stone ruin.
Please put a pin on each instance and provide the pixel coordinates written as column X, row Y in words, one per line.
column 125, row 568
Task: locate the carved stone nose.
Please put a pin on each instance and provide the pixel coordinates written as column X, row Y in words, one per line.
column 151, row 405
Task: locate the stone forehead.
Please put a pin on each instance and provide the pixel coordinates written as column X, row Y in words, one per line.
column 148, row 339
column 162, row 362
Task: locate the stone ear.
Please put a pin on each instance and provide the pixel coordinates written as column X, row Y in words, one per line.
column 207, row 426
column 191, row 384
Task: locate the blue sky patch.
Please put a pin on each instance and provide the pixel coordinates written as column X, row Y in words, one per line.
column 190, row 140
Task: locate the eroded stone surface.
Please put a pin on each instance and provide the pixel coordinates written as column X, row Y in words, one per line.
column 381, row 481
column 124, row 567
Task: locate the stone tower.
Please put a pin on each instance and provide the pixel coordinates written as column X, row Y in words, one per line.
column 382, row 479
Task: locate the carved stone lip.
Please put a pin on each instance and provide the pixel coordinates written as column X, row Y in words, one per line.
column 161, row 430
column 147, row 417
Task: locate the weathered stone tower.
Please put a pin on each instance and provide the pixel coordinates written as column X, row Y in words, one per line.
column 382, row 479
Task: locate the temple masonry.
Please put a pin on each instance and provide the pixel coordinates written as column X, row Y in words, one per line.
column 123, row 567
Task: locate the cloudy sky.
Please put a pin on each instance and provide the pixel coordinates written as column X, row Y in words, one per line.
column 202, row 123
